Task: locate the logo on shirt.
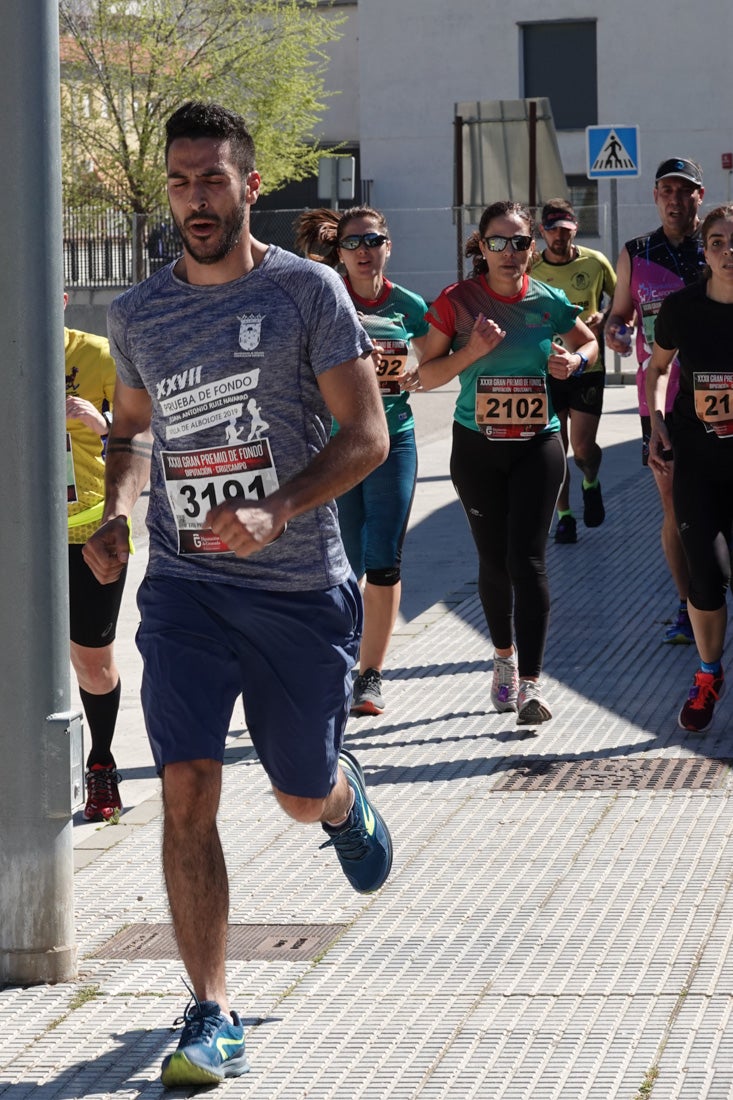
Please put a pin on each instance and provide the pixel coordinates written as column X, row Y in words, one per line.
column 534, row 319
column 250, row 325
column 71, row 383
column 580, row 281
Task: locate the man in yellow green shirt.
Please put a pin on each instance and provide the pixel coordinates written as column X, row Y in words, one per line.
column 586, row 276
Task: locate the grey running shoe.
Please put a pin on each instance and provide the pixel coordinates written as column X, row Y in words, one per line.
column 531, row 706
column 504, row 683
column 367, row 698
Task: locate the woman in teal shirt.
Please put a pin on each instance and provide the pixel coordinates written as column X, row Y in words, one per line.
column 373, row 515
column 495, row 332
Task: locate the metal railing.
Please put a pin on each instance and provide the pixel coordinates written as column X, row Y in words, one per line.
column 114, row 249
column 110, row 248
column 97, row 248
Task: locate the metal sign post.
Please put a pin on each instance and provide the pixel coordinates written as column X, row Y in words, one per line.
column 612, row 153
column 38, row 732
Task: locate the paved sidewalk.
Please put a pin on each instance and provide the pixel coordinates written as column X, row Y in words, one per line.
column 559, row 918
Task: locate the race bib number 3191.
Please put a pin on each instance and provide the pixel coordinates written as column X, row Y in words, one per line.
column 511, row 408
column 196, row 481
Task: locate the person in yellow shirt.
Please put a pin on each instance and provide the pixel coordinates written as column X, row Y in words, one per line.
column 93, row 607
column 587, row 278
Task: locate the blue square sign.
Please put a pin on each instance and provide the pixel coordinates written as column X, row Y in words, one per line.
column 612, row 152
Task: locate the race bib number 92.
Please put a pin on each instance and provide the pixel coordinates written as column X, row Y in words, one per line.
column 392, row 364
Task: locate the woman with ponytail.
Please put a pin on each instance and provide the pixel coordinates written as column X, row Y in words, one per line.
column 373, row 516
column 496, row 333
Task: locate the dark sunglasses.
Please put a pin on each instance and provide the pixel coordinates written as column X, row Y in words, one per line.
column 369, row 240
column 498, row 244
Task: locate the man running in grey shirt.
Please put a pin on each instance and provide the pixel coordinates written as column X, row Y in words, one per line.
column 232, row 362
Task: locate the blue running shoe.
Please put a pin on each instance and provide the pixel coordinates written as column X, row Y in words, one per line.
column 211, row 1048
column 680, row 632
column 363, row 844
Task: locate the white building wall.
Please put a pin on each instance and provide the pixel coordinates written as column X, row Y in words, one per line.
column 663, row 65
column 341, row 121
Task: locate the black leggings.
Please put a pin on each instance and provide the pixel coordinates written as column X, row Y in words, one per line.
column 509, row 490
column 703, row 505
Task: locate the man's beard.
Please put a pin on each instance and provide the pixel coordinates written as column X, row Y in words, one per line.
column 231, row 227
column 564, row 251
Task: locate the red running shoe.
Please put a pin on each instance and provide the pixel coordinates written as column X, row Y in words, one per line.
column 103, row 796
column 697, row 713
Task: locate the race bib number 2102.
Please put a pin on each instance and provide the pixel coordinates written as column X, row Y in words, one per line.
column 511, row 408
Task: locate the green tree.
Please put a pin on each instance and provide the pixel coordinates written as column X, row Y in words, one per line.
column 128, row 64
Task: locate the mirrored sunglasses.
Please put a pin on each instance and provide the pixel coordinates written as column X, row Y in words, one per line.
column 369, row 240
column 498, row 244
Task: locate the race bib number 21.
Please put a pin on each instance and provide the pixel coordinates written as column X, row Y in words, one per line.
column 714, row 401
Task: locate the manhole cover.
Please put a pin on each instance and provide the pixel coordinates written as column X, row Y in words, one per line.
column 272, row 942
column 622, row 773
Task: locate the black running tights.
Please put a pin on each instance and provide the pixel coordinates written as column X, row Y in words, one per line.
column 509, row 490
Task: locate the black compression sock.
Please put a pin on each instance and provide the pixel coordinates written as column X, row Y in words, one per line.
column 101, row 712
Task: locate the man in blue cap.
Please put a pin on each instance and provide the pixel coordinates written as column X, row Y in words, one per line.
column 649, row 268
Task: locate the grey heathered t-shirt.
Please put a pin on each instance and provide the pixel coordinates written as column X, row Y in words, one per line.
column 232, row 373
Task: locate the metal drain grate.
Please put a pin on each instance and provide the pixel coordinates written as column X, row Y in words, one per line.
column 622, row 773
column 272, row 942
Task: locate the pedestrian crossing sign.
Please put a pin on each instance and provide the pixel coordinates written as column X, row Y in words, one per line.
column 612, row 152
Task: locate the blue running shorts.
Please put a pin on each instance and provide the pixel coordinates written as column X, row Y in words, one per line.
column 290, row 654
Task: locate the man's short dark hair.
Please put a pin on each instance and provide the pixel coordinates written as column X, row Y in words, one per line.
column 210, row 120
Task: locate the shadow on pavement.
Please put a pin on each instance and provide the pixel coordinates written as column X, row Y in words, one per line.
column 611, row 598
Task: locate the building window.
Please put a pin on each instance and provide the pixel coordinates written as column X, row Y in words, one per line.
column 583, row 194
column 559, row 61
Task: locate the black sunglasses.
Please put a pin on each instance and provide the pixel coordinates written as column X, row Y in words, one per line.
column 498, row 244
column 369, row 240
